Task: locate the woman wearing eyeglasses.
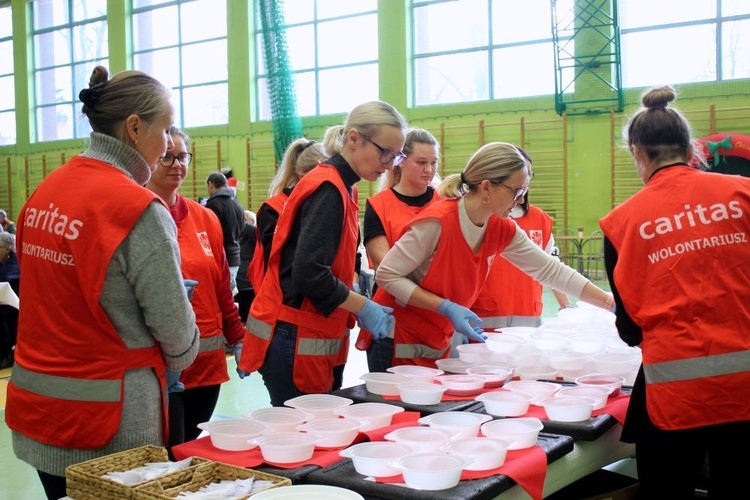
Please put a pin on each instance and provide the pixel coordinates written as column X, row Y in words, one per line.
column 202, row 257
column 404, row 192
column 436, row 269
column 299, row 318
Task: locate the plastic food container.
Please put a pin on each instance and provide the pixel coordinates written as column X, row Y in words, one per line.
column 375, row 458
column 416, row 373
column 278, row 419
column 616, row 363
column 302, row 491
column 332, row 432
column 504, row 343
column 382, row 383
column 453, row 365
column 549, row 341
column 611, row 382
column 232, row 434
column 493, row 375
column 371, row 415
column 486, row 453
column 536, row 372
column 521, row 432
column 422, row 439
column 286, row 447
column 505, row 403
column 567, row 360
column 421, row 393
column 568, row 408
column 319, row 405
column 463, row 423
column 598, row 394
column 537, row 389
column 587, row 343
column 462, row 385
column 474, row 353
column 431, row 471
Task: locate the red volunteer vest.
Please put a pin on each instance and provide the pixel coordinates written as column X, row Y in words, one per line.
column 510, row 296
column 258, row 265
column 682, row 273
column 66, row 386
column 422, row 336
column 394, row 215
column 319, row 338
column 202, row 256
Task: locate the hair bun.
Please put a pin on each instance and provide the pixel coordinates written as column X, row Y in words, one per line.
column 89, row 96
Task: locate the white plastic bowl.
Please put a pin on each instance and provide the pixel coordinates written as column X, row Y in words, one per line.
column 537, row 389
column 587, row 343
column 453, row 365
column 383, row 383
column 536, row 372
column 462, row 385
column 505, row 403
column 548, row 340
column 568, row 408
column 598, row 394
column 494, row 375
column 521, row 432
column 504, row 343
column 474, row 353
column 422, row 439
column 232, row 434
column 319, row 405
column 463, row 423
column 611, row 382
column 431, row 471
column 278, row 419
column 374, row 458
column 286, row 447
column 370, row 415
column 332, row 432
column 416, row 373
column 520, row 331
column 616, row 363
column 567, row 360
column 421, row 393
column 486, row 453
column 304, row 491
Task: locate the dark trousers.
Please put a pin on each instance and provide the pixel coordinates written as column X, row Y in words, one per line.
column 244, row 299
column 189, row 408
column 380, row 355
column 278, row 368
column 54, row 486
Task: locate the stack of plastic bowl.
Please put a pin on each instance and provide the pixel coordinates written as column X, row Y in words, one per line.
column 319, row 405
column 462, row 385
column 332, row 432
column 538, row 390
column 536, row 372
column 611, row 382
column 370, row 415
column 232, row 434
column 463, row 423
column 383, row 383
column 521, row 432
column 422, row 439
column 598, row 394
column 504, row 343
column 279, row 419
column 485, row 453
column 286, row 447
column 494, row 375
column 375, row 458
column 416, row 373
column 453, row 365
column 474, row 353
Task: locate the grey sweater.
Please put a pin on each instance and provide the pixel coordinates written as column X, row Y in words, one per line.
column 146, row 302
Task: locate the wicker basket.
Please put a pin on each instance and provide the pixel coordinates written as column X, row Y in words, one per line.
column 212, row 472
column 85, row 480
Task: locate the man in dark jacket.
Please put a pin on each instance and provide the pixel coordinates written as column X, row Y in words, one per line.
column 231, row 215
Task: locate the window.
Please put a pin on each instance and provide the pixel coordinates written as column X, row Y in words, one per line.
column 704, row 41
column 69, row 40
column 333, row 55
column 184, row 45
column 477, row 50
column 7, row 86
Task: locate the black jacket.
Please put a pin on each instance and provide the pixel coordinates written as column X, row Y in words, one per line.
column 232, row 218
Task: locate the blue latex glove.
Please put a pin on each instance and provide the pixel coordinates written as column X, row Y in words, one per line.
column 377, row 319
column 189, row 287
column 463, row 320
column 173, row 381
column 237, row 356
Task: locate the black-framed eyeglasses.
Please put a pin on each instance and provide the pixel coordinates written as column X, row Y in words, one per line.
column 184, row 158
column 517, row 193
column 387, row 156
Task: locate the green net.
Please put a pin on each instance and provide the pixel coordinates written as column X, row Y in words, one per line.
column 287, row 125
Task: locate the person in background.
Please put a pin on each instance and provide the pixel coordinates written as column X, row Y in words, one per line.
column 676, row 255
column 299, row 319
column 248, row 240
column 117, row 311
column 462, row 236
column 231, row 215
column 203, row 260
column 10, row 273
column 404, row 192
column 301, row 156
column 510, row 297
column 7, row 225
